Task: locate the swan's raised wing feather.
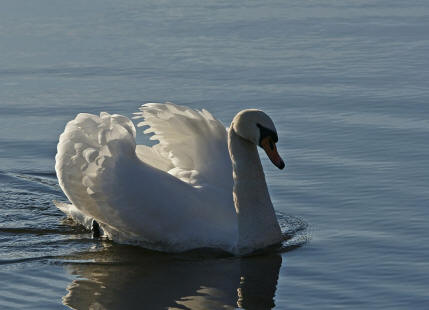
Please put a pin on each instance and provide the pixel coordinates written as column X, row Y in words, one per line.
column 194, row 141
column 151, row 156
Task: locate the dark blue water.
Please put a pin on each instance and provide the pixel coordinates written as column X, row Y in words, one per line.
column 347, row 86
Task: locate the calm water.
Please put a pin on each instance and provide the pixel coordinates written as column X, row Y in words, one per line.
column 347, row 84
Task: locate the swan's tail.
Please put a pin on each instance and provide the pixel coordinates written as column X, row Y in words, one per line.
column 73, row 213
column 88, row 150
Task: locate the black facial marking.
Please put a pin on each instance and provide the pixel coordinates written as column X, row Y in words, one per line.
column 265, row 132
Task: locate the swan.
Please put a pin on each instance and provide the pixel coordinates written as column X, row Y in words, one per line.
column 201, row 186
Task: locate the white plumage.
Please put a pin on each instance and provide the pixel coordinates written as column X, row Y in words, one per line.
column 179, row 194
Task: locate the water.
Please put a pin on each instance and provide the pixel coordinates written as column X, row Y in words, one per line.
column 347, row 86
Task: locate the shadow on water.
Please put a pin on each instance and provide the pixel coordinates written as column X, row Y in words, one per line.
column 127, row 277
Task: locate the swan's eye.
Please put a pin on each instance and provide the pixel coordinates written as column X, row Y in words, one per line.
column 265, row 132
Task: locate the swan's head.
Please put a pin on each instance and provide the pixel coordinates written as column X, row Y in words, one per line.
column 258, row 128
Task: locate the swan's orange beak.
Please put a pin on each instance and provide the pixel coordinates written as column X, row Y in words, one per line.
column 270, row 148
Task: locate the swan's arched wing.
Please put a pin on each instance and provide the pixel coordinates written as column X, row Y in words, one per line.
column 99, row 171
column 193, row 141
column 88, row 150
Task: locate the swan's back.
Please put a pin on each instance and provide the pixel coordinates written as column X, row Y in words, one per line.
column 101, row 174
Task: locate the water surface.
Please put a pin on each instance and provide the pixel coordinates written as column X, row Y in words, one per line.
column 347, row 87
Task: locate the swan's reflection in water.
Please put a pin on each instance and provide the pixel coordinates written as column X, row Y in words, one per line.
column 147, row 280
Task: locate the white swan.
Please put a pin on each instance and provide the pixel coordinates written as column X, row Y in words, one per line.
column 185, row 192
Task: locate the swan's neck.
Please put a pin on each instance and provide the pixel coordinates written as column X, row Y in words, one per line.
column 257, row 222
